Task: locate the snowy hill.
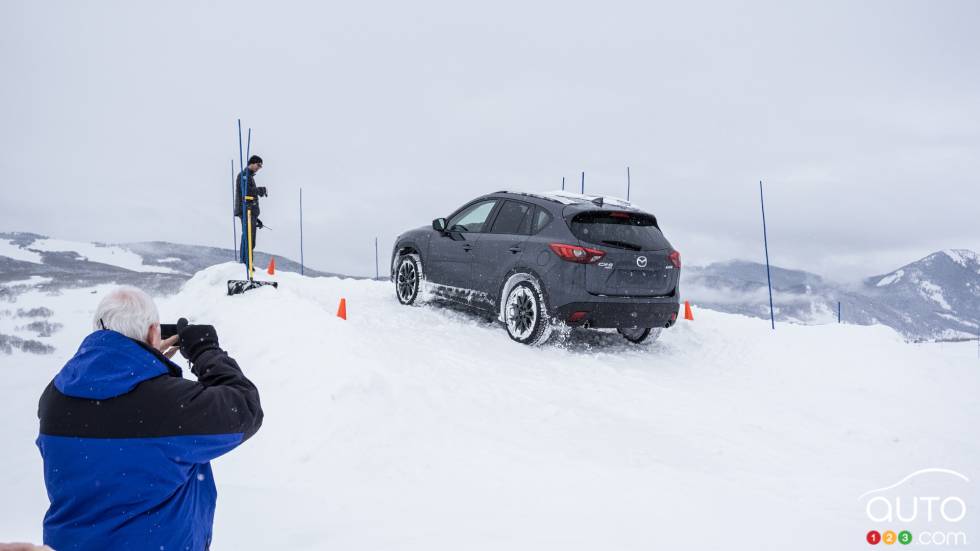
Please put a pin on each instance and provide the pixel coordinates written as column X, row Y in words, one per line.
column 423, row 428
column 30, row 262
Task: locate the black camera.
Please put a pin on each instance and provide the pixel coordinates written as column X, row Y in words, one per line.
column 261, row 191
column 168, row 330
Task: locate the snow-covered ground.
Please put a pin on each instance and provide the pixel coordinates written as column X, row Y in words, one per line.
column 426, row 428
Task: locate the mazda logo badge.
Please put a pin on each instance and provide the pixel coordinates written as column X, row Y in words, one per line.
column 641, row 261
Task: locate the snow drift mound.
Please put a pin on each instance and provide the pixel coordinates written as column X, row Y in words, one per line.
column 426, row 428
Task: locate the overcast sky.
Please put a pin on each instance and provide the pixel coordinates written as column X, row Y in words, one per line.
column 118, row 120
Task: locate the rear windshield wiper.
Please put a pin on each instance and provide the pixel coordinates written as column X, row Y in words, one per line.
column 622, row 244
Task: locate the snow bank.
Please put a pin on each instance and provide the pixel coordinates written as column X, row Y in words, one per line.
column 426, row 428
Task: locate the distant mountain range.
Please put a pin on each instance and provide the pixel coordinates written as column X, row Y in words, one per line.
column 935, row 298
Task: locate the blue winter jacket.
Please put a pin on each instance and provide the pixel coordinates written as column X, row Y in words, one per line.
column 127, row 444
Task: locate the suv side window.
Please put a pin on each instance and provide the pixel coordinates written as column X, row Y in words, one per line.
column 541, row 219
column 472, row 218
column 513, row 218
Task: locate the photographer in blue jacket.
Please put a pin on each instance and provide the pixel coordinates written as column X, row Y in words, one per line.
column 127, row 441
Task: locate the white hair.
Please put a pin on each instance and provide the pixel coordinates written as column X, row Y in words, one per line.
column 126, row 310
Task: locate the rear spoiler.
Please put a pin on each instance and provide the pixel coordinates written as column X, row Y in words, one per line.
column 569, row 216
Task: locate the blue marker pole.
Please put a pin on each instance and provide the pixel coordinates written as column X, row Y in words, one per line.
column 242, row 186
column 302, row 270
column 765, row 241
column 248, row 147
column 234, row 239
column 583, row 182
column 248, row 255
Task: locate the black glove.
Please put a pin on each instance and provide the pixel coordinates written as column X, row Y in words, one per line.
column 197, row 339
column 261, row 191
column 258, row 223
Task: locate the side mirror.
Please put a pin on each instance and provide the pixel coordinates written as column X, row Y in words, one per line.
column 439, row 224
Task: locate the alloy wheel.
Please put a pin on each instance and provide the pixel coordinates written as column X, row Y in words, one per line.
column 407, row 281
column 522, row 312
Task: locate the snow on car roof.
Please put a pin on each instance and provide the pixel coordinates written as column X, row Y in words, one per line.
column 571, row 198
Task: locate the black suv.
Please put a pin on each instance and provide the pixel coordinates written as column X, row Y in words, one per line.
column 538, row 259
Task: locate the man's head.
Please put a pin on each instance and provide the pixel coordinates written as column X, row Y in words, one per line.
column 254, row 163
column 129, row 311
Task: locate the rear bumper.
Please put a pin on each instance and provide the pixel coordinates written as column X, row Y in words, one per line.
column 621, row 313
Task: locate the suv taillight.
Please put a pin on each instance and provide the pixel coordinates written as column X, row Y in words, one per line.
column 574, row 253
column 675, row 258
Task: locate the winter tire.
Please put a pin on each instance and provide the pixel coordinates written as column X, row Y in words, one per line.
column 408, row 279
column 637, row 335
column 524, row 314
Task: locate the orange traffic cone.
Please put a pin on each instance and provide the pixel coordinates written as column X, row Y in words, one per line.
column 272, row 266
column 687, row 311
column 342, row 309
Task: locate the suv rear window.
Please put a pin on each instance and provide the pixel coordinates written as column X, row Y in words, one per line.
column 622, row 230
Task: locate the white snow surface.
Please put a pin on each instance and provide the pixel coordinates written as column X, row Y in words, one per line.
column 570, row 198
column 105, row 254
column 423, row 428
column 11, row 250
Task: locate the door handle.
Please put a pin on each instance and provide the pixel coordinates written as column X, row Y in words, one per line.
column 515, row 249
column 467, row 247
